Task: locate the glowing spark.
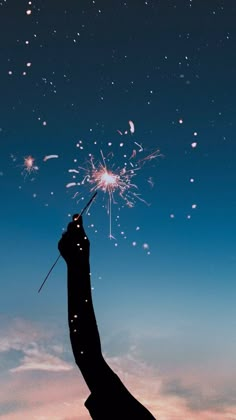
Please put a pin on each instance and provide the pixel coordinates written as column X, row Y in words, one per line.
column 132, row 128
column 133, row 154
column 71, row 184
column 194, row 144
column 106, row 180
column 29, row 164
column 73, row 170
column 140, row 146
column 120, row 132
column 153, row 155
column 150, row 181
column 50, row 157
column 194, row 206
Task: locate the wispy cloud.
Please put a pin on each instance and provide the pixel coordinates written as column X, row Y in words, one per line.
column 45, row 384
column 34, row 344
column 37, row 359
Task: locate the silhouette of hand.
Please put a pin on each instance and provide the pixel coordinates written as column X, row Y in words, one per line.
column 74, row 244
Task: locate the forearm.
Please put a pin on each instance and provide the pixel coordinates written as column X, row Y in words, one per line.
column 84, row 333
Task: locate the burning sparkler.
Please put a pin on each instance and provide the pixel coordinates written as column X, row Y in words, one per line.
column 29, row 165
column 105, row 175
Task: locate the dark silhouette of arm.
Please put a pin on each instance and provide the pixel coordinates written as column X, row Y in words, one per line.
column 84, row 336
column 106, row 388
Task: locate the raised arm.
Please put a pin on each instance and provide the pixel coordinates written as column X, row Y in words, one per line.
column 74, row 247
column 109, row 399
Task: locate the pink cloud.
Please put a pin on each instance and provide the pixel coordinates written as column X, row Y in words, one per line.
column 36, row 359
column 61, row 396
column 45, row 387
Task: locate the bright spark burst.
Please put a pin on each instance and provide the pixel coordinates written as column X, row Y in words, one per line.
column 29, row 165
column 117, row 181
column 105, row 180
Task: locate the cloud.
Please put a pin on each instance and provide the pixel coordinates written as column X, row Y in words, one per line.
column 44, row 383
column 17, row 333
column 200, row 397
column 33, row 344
column 36, row 359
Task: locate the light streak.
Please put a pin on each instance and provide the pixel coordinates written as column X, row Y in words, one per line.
column 140, row 146
column 132, row 128
column 50, row 157
column 71, row 184
column 73, row 170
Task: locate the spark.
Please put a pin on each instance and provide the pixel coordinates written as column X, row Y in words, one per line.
column 71, row 184
column 133, row 154
column 50, row 157
column 73, row 171
column 29, row 165
column 132, row 128
column 140, row 146
column 194, row 144
column 150, row 181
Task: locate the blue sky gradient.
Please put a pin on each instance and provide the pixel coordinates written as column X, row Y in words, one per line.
column 170, row 314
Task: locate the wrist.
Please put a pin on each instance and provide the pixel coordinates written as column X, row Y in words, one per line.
column 78, row 266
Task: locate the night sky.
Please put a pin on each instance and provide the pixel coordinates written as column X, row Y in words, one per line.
column 146, row 83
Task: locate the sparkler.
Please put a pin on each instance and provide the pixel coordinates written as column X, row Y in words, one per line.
column 85, row 208
column 105, row 176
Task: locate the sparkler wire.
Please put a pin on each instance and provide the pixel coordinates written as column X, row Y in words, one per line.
column 84, row 209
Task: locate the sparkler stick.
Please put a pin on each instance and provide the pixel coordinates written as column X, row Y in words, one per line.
column 84, row 209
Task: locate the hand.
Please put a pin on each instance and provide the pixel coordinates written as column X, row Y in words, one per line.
column 74, row 244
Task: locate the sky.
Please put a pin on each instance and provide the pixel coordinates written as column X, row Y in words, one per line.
column 144, row 90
